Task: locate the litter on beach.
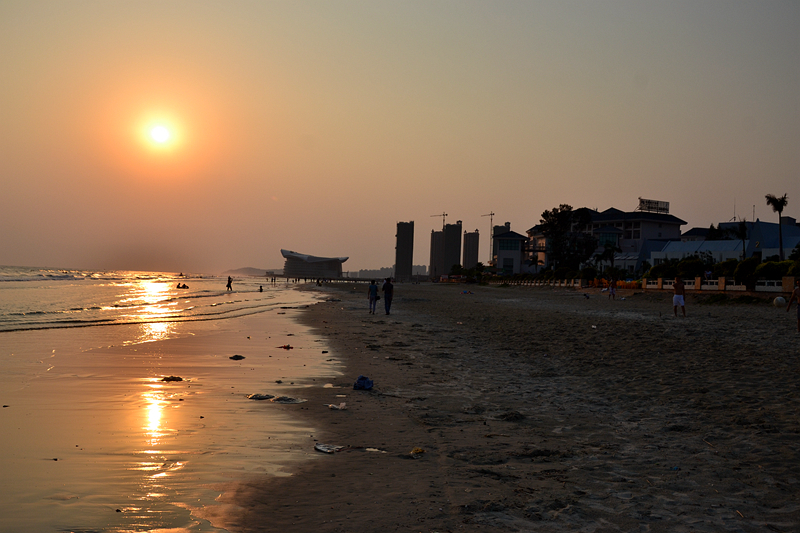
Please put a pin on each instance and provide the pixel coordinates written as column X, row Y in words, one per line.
column 362, row 383
column 287, row 347
column 328, row 448
column 341, row 407
column 260, row 396
column 286, row 399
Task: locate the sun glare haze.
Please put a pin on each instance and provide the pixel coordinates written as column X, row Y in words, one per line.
column 215, row 134
column 160, row 134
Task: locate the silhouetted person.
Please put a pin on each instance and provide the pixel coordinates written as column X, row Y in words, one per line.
column 230, row 282
column 388, row 293
column 372, row 293
column 679, row 298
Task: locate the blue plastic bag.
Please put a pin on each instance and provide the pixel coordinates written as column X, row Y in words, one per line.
column 362, row 383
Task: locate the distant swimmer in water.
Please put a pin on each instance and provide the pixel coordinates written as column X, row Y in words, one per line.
column 230, row 281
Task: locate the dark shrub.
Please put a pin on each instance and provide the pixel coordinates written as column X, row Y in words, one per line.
column 726, row 268
column 745, row 271
column 691, row 267
column 589, row 272
column 561, row 273
column 773, row 270
column 664, row 270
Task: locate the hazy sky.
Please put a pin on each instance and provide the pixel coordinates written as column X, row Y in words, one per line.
column 317, row 126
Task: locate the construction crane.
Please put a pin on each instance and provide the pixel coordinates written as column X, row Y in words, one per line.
column 443, row 215
column 491, row 227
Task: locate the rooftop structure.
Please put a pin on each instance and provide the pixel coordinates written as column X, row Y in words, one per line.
column 299, row 265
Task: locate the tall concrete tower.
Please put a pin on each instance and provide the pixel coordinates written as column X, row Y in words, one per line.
column 470, row 250
column 404, row 251
column 452, row 246
column 436, row 268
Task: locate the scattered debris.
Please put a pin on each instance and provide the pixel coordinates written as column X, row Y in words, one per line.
column 511, row 416
column 362, row 383
column 328, row 448
column 172, row 378
column 286, row 399
column 236, row 357
column 260, row 396
column 416, row 452
column 287, row 347
column 341, row 407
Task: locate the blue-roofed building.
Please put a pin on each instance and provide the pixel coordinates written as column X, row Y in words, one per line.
column 761, row 241
column 719, row 250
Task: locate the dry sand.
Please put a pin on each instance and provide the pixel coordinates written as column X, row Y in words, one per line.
column 541, row 410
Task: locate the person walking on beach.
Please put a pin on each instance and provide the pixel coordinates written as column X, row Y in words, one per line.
column 612, row 289
column 679, row 298
column 388, row 293
column 795, row 296
column 372, row 293
column 230, row 281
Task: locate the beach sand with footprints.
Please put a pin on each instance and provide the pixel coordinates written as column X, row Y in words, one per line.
column 543, row 410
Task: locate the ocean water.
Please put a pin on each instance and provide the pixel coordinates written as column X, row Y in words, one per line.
column 92, row 439
column 35, row 298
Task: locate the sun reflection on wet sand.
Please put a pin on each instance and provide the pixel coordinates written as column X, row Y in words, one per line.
column 154, row 462
column 155, row 403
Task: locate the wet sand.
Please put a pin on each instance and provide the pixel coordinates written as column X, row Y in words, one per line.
column 542, row 410
column 93, row 440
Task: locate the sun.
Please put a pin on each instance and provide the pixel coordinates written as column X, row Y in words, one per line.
column 160, row 134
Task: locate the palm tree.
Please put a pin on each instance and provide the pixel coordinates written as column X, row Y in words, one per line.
column 777, row 204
